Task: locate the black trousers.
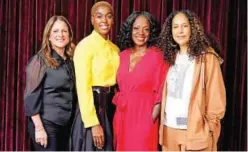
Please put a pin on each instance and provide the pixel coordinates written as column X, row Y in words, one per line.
column 58, row 136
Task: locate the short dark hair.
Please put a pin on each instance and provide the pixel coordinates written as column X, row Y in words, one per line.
column 124, row 38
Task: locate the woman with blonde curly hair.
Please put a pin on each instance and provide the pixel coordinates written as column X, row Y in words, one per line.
column 194, row 97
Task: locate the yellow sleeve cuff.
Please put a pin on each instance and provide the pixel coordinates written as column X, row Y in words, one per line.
column 90, row 121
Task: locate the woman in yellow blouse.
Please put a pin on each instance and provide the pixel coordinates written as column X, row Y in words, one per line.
column 96, row 61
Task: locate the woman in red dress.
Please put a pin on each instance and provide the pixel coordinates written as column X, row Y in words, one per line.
column 140, row 78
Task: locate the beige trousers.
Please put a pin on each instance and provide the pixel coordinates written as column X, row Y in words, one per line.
column 175, row 140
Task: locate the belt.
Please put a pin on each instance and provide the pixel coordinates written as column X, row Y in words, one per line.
column 100, row 89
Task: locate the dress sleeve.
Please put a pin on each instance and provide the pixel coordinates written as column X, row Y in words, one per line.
column 160, row 76
column 83, row 71
column 35, row 72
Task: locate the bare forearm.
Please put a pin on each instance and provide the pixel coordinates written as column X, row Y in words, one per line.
column 40, row 133
column 156, row 111
column 37, row 122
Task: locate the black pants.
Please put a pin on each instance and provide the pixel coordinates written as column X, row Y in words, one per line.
column 58, row 136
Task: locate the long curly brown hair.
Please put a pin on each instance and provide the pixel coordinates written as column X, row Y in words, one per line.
column 198, row 43
column 46, row 46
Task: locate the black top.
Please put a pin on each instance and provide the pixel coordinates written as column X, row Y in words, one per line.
column 50, row 92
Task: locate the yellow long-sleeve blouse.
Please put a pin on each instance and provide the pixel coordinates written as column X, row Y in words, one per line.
column 96, row 61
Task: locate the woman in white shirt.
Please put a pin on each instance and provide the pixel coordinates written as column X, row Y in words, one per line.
column 194, row 97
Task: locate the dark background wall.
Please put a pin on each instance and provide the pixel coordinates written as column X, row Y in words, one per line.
column 22, row 23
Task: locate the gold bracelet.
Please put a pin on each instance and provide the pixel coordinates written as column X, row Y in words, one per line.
column 37, row 130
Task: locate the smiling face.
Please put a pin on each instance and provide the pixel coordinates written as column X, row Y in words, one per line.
column 102, row 20
column 59, row 35
column 181, row 30
column 141, row 31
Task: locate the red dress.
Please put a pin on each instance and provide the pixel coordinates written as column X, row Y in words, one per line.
column 139, row 90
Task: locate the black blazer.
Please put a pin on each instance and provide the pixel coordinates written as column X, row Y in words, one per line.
column 50, row 92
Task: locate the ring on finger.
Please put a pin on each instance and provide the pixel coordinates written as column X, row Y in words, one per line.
column 95, row 142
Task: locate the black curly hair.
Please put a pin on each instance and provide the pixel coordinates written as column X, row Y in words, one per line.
column 124, row 38
column 214, row 42
column 198, row 42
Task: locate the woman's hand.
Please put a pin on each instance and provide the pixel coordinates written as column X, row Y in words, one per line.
column 40, row 133
column 98, row 136
column 41, row 137
column 155, row 112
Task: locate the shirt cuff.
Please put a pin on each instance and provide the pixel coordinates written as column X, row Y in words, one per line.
column 90, row 121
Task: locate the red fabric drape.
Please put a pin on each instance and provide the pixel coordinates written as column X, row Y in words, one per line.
column 22, row 23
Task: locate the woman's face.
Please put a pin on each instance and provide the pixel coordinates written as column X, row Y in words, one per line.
column 140, row 31
column 181, row 30
column 59, row 35
column 102, row 20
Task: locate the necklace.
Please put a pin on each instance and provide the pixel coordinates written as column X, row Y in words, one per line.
column 140, row 49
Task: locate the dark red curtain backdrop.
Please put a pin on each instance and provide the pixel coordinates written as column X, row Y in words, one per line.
column 22, row 23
